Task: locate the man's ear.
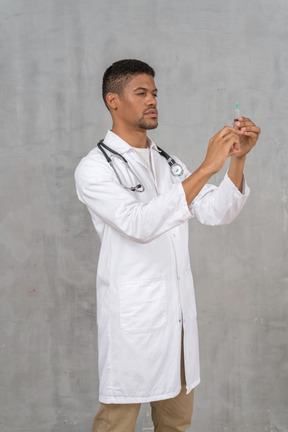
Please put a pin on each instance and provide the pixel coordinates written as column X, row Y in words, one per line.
column 112, row 100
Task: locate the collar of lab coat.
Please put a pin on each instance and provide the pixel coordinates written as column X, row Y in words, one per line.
column 119, row 145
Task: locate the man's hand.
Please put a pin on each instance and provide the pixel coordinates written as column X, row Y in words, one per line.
column 222, row 145
column 248, row 134
column 231, row 142
column 227, row 142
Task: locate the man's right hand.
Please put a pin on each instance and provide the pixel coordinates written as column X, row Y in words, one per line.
column 222, row 145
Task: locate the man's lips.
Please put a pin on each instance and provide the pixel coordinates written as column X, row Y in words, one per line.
column 152, row 113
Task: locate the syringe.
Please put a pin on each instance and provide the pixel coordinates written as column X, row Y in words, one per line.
column 236, row 115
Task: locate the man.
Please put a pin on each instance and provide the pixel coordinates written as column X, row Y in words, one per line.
column 140, row 202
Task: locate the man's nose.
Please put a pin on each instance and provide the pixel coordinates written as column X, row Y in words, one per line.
column 151, row 99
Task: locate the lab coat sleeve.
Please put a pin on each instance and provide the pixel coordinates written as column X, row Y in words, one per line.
column 218, row 205
column 98, row 188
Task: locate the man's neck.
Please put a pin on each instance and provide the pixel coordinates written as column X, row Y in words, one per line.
column 134, row 138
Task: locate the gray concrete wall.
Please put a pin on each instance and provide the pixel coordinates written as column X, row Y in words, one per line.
column 208, row 55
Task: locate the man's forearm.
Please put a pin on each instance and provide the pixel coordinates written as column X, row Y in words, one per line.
column 235, row 171
column 195, row 182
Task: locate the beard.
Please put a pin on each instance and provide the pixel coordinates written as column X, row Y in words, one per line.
column 148, row 124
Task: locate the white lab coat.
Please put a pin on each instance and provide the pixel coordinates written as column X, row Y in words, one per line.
column 145, row 288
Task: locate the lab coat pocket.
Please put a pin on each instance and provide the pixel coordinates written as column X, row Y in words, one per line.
column 143, row 305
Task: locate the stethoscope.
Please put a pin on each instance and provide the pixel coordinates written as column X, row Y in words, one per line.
column 175, row 168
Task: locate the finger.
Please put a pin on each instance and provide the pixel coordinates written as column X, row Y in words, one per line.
column 234, row 148
column 225, row 131
column 252, row 135
column 241, row 118
column 224, row 136
column 229, row 144
column 254, row 129
column 244, row 123
column 244, row 129
column 233, row 135
column 238, row 132
column 232, row 141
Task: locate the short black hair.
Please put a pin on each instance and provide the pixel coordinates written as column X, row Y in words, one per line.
column 120, row 72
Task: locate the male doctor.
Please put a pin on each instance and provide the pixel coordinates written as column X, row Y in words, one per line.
column 140, row 207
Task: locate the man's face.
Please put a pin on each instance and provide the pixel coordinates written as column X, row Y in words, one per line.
column 137, row 107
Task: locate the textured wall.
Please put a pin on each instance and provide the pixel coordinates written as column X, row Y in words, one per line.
column 208, row 55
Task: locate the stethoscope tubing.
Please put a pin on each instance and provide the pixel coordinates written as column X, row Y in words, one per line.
column 169, row 159
column 175, row 168
column 101, row 144
column 139, row 187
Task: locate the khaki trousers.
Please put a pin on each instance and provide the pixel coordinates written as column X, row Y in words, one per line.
column 170, row 415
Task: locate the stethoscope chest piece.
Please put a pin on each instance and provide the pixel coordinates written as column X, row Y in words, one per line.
column 176, row 170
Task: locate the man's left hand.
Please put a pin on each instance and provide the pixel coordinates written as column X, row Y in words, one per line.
column 248, row 134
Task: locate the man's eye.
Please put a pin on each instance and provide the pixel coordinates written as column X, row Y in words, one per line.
column 141, row 94
column 155, row 95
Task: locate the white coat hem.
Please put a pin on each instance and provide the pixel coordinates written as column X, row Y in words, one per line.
column 144, row 399
column 137, row 399
column 192, row 386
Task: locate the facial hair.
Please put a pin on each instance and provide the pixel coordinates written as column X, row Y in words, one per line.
column 144, row 123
